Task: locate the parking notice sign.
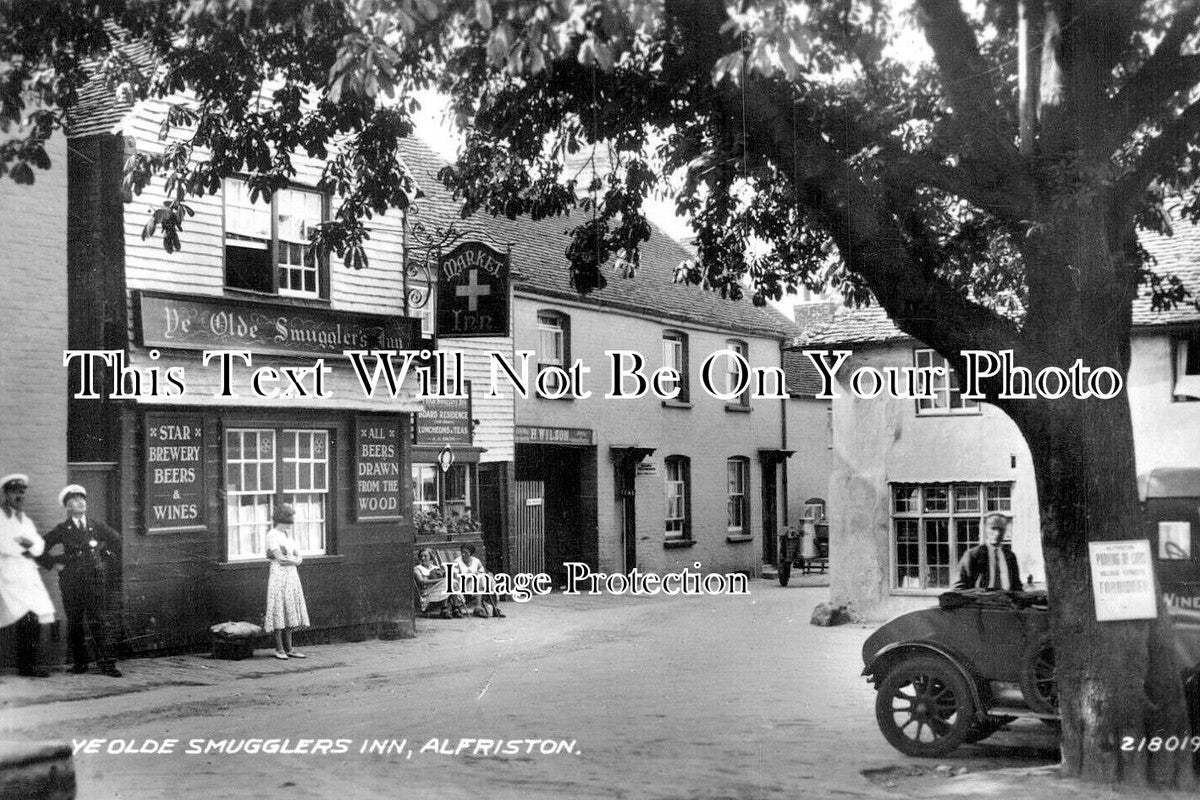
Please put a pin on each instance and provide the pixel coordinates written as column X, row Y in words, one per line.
column 1123, row 580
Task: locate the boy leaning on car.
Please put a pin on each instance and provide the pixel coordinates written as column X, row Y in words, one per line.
column 990, row 565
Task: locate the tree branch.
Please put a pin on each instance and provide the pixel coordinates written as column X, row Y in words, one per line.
column 869, row 229
column 1159, row 155
column 1162, row 77
column 1011, row 202
column 967, row 79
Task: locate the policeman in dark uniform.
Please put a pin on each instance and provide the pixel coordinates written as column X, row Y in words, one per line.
column 91, row 554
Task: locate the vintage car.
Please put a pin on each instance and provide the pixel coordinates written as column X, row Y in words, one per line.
column 955, row 674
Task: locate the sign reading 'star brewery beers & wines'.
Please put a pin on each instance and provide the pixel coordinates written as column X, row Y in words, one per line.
column 174, row 473
column 376, row 468
column 472, row 293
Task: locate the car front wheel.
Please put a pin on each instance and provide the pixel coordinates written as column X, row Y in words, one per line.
column 924, row 707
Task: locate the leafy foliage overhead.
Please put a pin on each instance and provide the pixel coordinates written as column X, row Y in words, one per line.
column 805, row 141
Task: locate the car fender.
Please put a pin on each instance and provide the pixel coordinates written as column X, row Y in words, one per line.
column 877, row 668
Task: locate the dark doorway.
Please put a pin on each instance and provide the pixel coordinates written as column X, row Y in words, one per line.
column 770, row 525
column 568, row 475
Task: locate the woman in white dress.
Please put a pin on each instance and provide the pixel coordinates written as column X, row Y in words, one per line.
column 431, row 584
column 286, row 610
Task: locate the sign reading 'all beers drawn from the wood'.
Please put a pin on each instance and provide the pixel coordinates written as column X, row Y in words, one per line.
column 377, row 493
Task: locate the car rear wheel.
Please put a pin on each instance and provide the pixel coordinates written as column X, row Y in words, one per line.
column 1038, row 682
column 924, row 707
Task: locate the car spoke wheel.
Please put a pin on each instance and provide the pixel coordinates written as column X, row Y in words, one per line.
column 924, row 707
column 1037, row 679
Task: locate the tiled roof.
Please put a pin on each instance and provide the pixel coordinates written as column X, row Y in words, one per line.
column 802, row 378
column 1177, row 255
column 853, row 326
column 539, row 261
column 98, row 109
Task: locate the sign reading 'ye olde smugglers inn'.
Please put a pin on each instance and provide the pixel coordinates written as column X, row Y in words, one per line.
column 472, row 292
column 191, row 323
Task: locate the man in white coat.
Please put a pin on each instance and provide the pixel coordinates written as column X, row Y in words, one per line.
column 24, row 602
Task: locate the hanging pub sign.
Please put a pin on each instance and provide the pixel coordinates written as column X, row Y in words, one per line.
column 376, row 468
column 472, row 292
column 444, row 420
column 174, row 472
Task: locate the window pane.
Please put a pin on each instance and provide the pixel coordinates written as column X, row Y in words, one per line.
column 244, row 218
column 251, row 469
column 908, row 554
column 906, row 499
column 998, row 498
column 1174, row 540
column 299, row 214
column 937, row 498
column 966, row 498
column 966, row 536
column 233, row 444
column 948, row 519
column 675, row 515
column 736, row 487
column 425, row 487
column 247, row 240
column 550, row 340
column 937, row 552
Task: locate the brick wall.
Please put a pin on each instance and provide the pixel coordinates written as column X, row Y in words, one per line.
column 33, row 401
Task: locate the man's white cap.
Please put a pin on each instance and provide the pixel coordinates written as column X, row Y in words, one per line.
column 14, row 477
column 68, row 491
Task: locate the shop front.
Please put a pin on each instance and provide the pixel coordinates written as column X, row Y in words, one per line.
column 446, row 497
column 201, row 471
column 556, row 503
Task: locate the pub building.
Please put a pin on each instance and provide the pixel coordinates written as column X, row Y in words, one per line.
column 188, row 459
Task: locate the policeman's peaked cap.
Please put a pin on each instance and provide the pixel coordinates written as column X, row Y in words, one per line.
column 70, row 491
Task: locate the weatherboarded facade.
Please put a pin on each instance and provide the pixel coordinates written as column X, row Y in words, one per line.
column 194, row 456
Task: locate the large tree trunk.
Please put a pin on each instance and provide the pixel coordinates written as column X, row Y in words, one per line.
column 1118, row 682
